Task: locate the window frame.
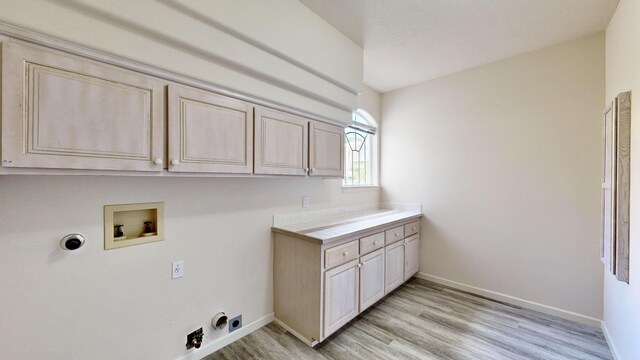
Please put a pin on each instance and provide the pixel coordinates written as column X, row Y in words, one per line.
column 367, row 124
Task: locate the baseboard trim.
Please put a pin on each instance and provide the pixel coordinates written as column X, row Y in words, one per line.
column 228, row 339
column 565, row 314
column 612, row 346
column 295, row 333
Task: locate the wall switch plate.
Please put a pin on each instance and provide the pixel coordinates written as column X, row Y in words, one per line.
column 177, row 269
column 305, row 201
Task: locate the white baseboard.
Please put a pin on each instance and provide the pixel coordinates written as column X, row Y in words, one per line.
column 311, row 343
column 612, row 346
column 565, row 314
column 228, row 339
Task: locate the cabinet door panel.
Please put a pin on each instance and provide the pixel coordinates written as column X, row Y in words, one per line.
column 394, row 266
column 411, row 256
column 62, row 111
column 371, row 278
column 209, row 132
column 326, row 146
column 340, row 296
column 281, row 145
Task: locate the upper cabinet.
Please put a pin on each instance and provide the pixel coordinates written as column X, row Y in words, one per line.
column 287, row 144
column 281, row 144
column 326, row 150
column 209, row 132
column 65, row 112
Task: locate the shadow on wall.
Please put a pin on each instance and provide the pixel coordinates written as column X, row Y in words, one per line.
column 69, row 198
column 182, row 46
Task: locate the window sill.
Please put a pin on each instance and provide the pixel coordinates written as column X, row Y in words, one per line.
column 363, row 188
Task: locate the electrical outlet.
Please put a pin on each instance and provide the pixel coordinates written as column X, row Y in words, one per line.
column 177, row 269
column 235, row 323
column 305, row 201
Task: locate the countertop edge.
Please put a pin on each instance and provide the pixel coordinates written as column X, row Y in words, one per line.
column 349, row 235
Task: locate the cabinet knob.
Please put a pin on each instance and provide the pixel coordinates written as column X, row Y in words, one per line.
column 375, row 242
column 157, row 161
column 396, row 235
column 306, row 169
column 345, row 253
column 175, row 162
column 360, row 265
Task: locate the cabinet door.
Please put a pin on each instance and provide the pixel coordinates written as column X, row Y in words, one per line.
column 411, row 256
column 62, row 111
column 341, row 289
column 209, row 132
column 371, row 278
column 394, row 266
column 326, row 150
column 280, row 143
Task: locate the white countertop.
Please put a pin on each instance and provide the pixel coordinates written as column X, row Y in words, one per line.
column 337, row 229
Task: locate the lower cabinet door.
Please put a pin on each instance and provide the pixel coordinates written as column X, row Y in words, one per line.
column 411, row 256
column 371, row 278
column 394, row 266
column 341, row 287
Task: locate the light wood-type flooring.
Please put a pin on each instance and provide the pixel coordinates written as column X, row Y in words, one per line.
column 424, row 320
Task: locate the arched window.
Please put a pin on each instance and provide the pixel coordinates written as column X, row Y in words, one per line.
column 360, row 151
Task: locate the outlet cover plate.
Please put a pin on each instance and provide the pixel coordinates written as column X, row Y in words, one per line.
column 235, row 323
column 177, row 269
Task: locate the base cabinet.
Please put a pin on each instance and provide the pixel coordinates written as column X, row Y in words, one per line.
column 318, row 287
column 394, row 269
column 341, row 296
column 411, row 256
column 371, row 278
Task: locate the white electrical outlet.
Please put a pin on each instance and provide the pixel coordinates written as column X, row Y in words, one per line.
column 177, row 269
column 305, row 201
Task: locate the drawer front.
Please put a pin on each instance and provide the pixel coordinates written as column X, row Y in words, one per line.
column 371, row 242
column 411, row 228
column 340, row 254
column 394, row 235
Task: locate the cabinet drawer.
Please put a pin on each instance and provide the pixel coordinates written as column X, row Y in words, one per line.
column 371, row 242
column 411, row 228
column 394, row 235
column 340, row 254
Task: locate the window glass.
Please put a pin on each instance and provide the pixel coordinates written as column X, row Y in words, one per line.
column 359, row 151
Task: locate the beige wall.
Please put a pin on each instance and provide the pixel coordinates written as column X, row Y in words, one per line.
column 122, row 303
column 370, row 101
column 505, row 160
column 622, row 301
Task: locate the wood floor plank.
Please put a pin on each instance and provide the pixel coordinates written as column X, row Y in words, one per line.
column 424, row 320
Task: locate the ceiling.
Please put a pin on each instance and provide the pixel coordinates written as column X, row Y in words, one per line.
column 406, row 42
